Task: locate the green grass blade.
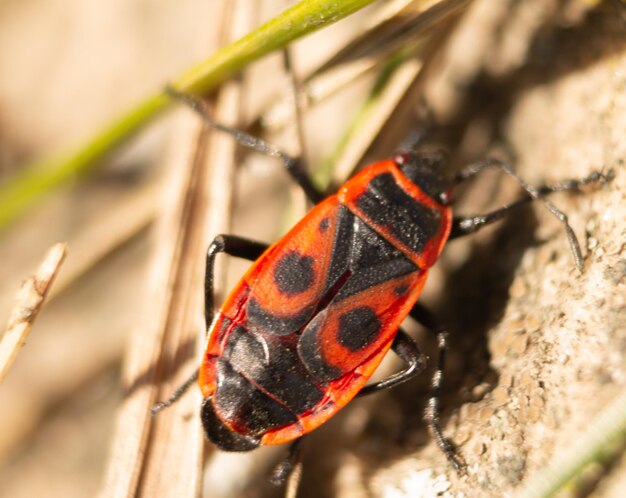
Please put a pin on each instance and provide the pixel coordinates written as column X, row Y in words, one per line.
column 35, row 180
column 608, row 427
column 32, row 182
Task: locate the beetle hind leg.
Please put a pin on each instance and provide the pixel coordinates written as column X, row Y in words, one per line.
column 432, row 411
column 290, row 468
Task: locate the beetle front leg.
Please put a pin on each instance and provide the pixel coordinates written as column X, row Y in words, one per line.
column 232, row 245
column 466, row 225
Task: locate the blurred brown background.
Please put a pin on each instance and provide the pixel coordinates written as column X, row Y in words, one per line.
column 536, row 350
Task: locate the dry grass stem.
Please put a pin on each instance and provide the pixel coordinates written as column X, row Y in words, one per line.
column 164, row 455
column 367, row 52
column 293, row 482
column 107, row 233
column 145, row 349
column 297, row 147
column 396, row 29
column 393, row 95
column 30, row 300
column 391, row 113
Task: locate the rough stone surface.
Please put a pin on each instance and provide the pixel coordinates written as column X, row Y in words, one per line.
column 536, row 349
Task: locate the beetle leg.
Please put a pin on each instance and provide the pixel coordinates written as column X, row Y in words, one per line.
column 293, row 165
column 406, row 348
column 466, row 225
column 432, row 412
column 232, row 245
column 289, row 468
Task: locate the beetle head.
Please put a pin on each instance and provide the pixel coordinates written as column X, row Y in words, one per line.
column 425, row 169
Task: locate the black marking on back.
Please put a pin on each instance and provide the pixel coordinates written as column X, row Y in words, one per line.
column 373, row 261
column 240, row 401
column 342, row 246
column 324, row 224
column 262, row 320
column 369, row 248
column 273, row 364
column 401, row 290
column 294, row 273
column 361, row 259
column 363, row 254
column 221, row 435
column 358, row 328
column 389, row 206
column 310, row 352
column 367, row 278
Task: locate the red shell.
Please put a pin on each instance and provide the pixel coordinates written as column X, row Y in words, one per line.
column 315, row 237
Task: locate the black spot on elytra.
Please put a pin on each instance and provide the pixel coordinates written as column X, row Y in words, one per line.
column 401, row 290
column 294, row 273
column 324, row 224
column 358, row 328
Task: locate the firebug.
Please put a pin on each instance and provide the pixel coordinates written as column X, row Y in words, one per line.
column 304, row 329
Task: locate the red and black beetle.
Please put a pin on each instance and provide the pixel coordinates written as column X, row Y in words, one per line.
column 313, row 317
column 307, row 325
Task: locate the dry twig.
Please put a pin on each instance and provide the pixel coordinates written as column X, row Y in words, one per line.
column 29, row 302
column 163, row 456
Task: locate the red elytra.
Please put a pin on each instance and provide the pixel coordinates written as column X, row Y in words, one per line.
column 313, row 317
